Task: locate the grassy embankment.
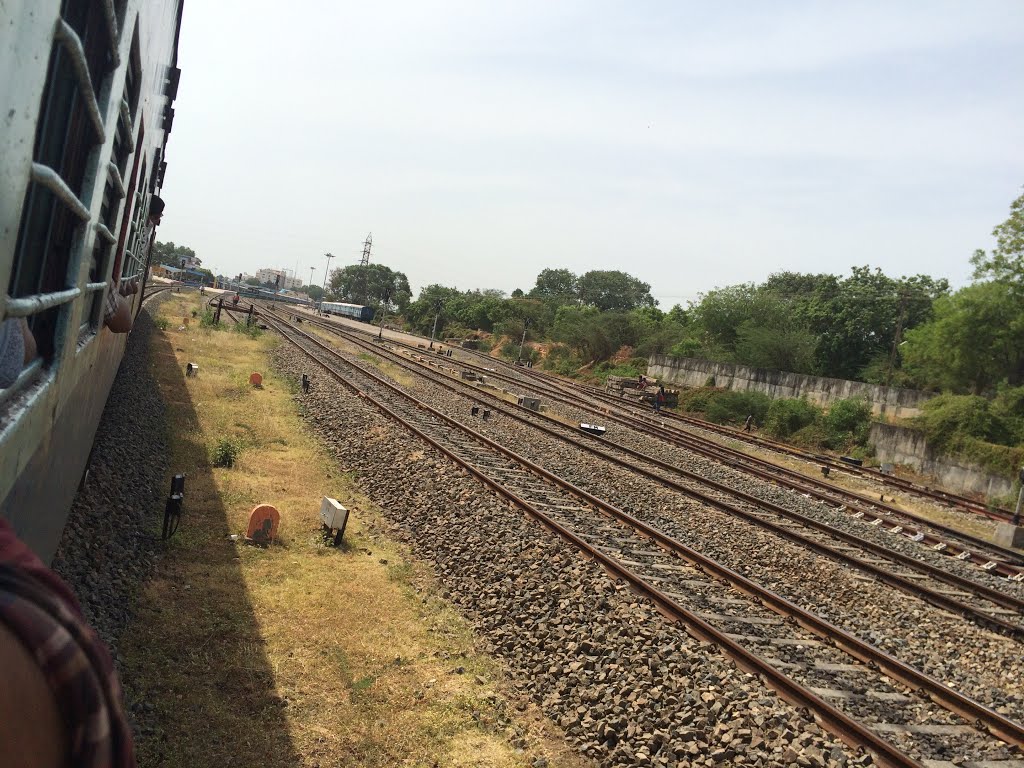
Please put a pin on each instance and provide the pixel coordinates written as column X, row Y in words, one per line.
column 297, row 654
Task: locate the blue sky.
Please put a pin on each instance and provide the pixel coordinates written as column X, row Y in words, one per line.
column 693, row 145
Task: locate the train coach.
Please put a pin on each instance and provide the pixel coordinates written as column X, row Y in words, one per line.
column 87, row 105
column 354, row 311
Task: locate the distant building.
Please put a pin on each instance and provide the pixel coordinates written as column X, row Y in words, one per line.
column 288, row 280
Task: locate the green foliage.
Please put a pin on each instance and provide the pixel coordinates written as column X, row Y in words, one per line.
column 613, row 290
column 1006, row 262
column 782, row 347
column 555, row 284
column 847, row 422
column 562, row 361
column 786, row 417
column 1008, row 407
column 171, row 254
column 315, row 292
column 947, row 419
column 226, row 452
column 252, row 331
column 631, row 368
column 975, row 341
column 686, row 347
column 162, row 323
column 729, row 406
column 987, row 433
column 206, row 319
column 373, row 285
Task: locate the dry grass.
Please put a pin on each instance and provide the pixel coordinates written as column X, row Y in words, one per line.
column 297, row 654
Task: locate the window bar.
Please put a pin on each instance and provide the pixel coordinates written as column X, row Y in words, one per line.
column 106, row 234
column 93, row 287
column 40, row 302
column 115, row 175
column 67, row 37
column 49, row 178
column 126, row 116
column 111, row 18
column 27, row 374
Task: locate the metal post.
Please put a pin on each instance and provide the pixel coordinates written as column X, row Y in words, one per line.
column 384, row 313
column 522, row 341
column 1020, row 499
column 438, row 303
column 327, row 271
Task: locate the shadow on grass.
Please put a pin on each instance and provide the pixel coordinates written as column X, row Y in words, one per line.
column 200, row 683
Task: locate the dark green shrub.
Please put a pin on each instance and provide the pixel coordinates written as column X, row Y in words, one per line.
column 226, row 452
column 787, row 417
column 847, row 424
column 947, row 419
column 730, row 407
column 696, row 400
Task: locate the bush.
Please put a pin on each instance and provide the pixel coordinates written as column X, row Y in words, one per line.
column 162, row 323
column 206, row 319
column 631, row 369
column 847, row 424
column 562, row 361
column 948, row 419
column 726, row 406
column 685, row 348
column 252, row 331
column 225, row 454
column 976, row 430
column 789, row 416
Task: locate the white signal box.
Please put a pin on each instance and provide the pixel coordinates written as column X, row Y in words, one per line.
column 334, row 517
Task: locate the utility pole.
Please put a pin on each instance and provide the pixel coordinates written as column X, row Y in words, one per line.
column 896, row 339
column 1020, row 499
column 438, row 303
column 522, row 341
column 367, row 244
column 384, row 314
column 311, row 271
column 327, row 271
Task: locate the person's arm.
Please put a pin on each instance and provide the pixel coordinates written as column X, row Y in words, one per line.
column 120, row 321
column 31, row 729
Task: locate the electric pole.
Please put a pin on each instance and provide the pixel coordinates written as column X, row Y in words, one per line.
column 896, row 338
column 438, row 303
column 367, row 244
column 327, row 272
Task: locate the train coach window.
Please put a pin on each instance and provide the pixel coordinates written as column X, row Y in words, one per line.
column 44, row 274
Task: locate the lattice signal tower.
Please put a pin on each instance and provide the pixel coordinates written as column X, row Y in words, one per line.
column 367, row 244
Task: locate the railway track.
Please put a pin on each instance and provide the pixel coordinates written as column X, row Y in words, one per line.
column 866, row 697
column 942, row 538
column 937, row 495
column 989, row 607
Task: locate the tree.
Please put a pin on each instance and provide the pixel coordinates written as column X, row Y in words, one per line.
column 975, row 341
column 557, row 284
column 252, row 281
column 369, row 284
column 315, row 292
column 613, row 290
column 171, row 254
column 1006, row 262
column 855, row 319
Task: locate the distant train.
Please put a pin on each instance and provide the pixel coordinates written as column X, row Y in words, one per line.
column 354, row 311
column 264, row 294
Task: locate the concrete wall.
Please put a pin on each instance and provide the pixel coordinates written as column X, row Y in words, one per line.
column 903, row 445
column 894, row 402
